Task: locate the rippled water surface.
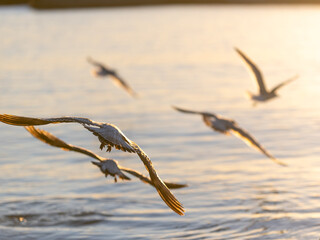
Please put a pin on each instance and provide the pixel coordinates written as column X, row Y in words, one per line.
column 175, row 55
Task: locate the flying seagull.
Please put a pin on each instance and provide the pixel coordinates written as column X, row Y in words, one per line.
column 106, row 165
column 103, row 71
column 227, row 126
column 264, row 94
column 111, row 136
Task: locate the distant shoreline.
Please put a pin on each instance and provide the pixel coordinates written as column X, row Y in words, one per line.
column 61, row 4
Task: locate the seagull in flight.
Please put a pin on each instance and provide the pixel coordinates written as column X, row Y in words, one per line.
column 107, row 166
column 264, row 94
column 103, row 71
column 111, row 136
column 227, row 126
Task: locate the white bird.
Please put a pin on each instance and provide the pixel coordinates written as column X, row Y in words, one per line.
column 110, row 135
column 264, row 94
column 106, row 165
column 225, row 126
column 103, row 71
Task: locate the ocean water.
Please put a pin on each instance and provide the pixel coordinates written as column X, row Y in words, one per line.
column 170, row 55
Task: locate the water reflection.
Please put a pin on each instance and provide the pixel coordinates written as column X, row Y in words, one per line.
column 44, row 74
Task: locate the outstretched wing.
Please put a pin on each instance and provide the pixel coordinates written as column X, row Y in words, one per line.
column 255, row 70
column 186, row 111
column 113, row 137
column 108, row 134
column 251, row 141
column 147, row 180
column 284, row 83
column 52, row 140
column 27, row 121
column 162, row 189
column 95, row 63
column 115, row 77
column 121, row 83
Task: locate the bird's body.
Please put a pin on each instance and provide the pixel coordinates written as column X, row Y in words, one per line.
column 261, row 97
column 111, row 136
column 217, row 123
column 263, row 94
column 227, row 126
column 102, row 70
column 111, row 167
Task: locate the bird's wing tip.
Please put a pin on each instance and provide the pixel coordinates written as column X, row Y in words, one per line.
column 237, row 50
column 279, row 162
column 124, row 177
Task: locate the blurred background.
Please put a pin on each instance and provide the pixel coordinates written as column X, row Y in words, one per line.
column 110, row 3
column 179, row 55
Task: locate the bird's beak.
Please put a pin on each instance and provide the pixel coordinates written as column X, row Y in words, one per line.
column 98, row 164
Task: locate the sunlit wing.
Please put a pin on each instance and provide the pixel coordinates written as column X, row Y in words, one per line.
column 108, row 134
column 112, row 136
column 121, row 83
column 284, row 83
column 186, row 111
column 162, row 189
column 250, row 141
column 165, row 193
column 255, row 70
column 52, row 140
column 27, row 121
column 147, row 180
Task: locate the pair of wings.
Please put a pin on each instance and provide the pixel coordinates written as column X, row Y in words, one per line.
column 237, row 131
column 115, row 77
column 112, row 136
column 52, row 140
column 257, row 74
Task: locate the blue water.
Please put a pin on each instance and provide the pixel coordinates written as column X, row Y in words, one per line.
column 175, row 55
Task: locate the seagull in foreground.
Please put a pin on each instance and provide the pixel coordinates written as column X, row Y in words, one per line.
column 106, row 165
column 225, row 126
column 111, row 136
column 103, row 71
column 264, row 94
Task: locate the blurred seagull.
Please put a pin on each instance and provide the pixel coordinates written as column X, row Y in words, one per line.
column 106, row 165
column 225, row 126
column 111, row 136
column 103, row 71
column 264, row 94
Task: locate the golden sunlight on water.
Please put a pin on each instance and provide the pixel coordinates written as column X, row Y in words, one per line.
column 185, row 59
